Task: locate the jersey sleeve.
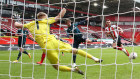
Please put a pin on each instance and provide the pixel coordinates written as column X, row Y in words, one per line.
column 51, row 20
column 114, row 26
column 68, row 32
column 29, row 24
column 75, row 25
column 81, row 22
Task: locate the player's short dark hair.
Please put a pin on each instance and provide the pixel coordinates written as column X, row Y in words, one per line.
column 108, row 20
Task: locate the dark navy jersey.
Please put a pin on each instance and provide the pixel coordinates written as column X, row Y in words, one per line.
column 74, row 31
column 22, row 38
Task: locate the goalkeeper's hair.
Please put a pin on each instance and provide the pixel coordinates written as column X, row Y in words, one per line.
column 41, row 14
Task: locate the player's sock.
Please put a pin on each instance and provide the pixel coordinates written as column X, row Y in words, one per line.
column 74, row 58
column 119, row 48
column 83, row 53
column 43, row 56
column 19, row 54
column 94, row 40
column 125, row 51
column 74, row 65
column 25, row 52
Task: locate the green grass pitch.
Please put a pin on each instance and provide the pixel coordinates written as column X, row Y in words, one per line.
column 107, row 70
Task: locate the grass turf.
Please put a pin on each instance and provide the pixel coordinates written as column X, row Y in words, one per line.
column 107, row 70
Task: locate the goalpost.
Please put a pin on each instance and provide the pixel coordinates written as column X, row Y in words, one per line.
column 115, row 63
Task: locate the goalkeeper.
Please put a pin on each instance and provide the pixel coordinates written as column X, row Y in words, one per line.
column 49, row 44
column 73, row 31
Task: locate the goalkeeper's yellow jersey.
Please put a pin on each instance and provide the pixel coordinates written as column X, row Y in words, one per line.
column 41, row 30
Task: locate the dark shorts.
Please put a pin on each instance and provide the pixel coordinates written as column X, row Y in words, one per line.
column 21, row 45
column 77, row 41
column 118, row 41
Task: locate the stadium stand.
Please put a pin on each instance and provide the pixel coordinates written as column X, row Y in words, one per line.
column 7, row 23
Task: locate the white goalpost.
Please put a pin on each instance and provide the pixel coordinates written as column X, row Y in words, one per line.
column 115, row 64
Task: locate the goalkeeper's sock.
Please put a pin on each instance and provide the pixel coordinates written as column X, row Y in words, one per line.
column 19, row 54
column 83, row 53
column 43, row 56
column 25, row 52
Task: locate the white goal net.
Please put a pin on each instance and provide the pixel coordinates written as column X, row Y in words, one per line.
column 116, row 65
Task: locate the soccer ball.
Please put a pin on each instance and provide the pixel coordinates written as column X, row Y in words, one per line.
column 133, row 55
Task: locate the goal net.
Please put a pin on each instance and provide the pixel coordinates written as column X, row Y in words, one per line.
column 116, row 65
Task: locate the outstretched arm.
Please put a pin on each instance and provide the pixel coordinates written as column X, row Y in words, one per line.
column 18, row 35
column 60, row 15
column 81, row 22
column 120, row 29
column 18, row 25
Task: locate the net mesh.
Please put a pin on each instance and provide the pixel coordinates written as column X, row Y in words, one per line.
column 115, row 65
